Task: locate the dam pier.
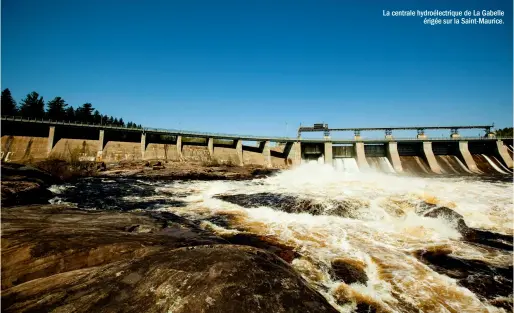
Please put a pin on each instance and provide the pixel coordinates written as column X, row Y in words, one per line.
column 29, row 139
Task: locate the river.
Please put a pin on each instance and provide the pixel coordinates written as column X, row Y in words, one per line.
column 377, row 222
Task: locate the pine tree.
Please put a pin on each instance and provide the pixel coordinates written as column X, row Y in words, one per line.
column 121, row 122
column 9, row 106
column 97, row 118
column 85, row 113
column 32, row 106
column 56, row 109
column 70, row 114
column 116, row 122
column 111, row 120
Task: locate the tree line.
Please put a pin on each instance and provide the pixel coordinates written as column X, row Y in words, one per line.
column 504, row 132
column 33, row 106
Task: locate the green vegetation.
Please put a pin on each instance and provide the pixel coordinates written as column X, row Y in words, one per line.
column 505, row 132
column 33, row 106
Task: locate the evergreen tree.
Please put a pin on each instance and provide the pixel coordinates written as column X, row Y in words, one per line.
column 85, row 113
column 121, row 122
column 97, row 118
column 9, row 106
column 32, row 106
column 70, row 114
column 111, row 120
column 116, row 122
column 56, row 109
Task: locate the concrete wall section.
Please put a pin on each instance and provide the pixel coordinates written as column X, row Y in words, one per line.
column 75, row 149
column 226, row 155
column 23, row 148
column 159, row 151
column 195, row 153
column 253, row 157
column 116, row 151
column 430, row 158
column 466, row 157
column 51, row 139
column 360, row 156
column 501, row 150
column 328, row 152
column 239, row 151
column 393, row 156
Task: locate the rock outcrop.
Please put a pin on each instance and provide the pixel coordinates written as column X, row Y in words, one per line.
column 68, row 260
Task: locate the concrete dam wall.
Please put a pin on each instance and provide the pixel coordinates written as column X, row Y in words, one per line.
column 23, row 141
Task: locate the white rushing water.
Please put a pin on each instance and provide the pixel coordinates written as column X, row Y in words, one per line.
column 493, row 164
column 348, row 165
column 380, row 238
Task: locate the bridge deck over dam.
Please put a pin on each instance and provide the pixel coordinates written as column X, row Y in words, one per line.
column 24, row 139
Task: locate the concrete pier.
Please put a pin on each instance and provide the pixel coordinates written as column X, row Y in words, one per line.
column 394, row 157
column 360, row 155
column 51, row 139
column 266, row 152
column 210, row 146
column 467, row 158
column 101, row 143
column 502, row 152
column 143, row 145
column 293, row 153
column 179, row 147
column 429, row 156
column 239, row 151
column 328, row 152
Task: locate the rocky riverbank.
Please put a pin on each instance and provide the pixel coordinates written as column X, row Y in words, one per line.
column 60, row 259
column 28, row 183
column 63, row 259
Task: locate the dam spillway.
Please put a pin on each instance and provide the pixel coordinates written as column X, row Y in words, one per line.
column 24, row 140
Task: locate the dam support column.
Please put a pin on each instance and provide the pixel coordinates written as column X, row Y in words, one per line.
column 429, row 156
column 328, row 152
column 210, row 146
column 100, row 145
column 239, row 151
column 294, row 153
column 179, row 147
column 394, row 157
column 266, row 153
column 466, row 157
column 360, row 155
column 51, row 140
column 501, row 150
column 143, row 145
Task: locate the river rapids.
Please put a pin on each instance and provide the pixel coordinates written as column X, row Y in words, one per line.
column 408, row 244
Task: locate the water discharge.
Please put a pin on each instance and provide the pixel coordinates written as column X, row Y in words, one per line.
column 360, row 236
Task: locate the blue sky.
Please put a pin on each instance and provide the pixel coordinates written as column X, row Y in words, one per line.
column 261, row 66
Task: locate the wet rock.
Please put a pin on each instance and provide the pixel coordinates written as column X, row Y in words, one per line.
column 483, row 279
column 284, row 252
column 100, row 166
column 264, row 172
column 60, row 259
column 292, row 204
column 349, row 271
column 25, row 185
column 491, row 239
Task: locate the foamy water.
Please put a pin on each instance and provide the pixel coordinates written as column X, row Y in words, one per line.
column 381, row 237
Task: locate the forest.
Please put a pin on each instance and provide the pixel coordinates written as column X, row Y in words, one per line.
column 33, row 106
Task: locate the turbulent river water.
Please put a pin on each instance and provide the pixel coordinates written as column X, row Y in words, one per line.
column 384, row 226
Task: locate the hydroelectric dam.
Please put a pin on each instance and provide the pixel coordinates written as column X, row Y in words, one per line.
column 29, row 139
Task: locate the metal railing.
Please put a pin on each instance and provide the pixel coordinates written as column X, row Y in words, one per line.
column 240, row 137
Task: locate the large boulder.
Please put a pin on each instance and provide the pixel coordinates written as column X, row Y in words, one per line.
column 66, row 260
